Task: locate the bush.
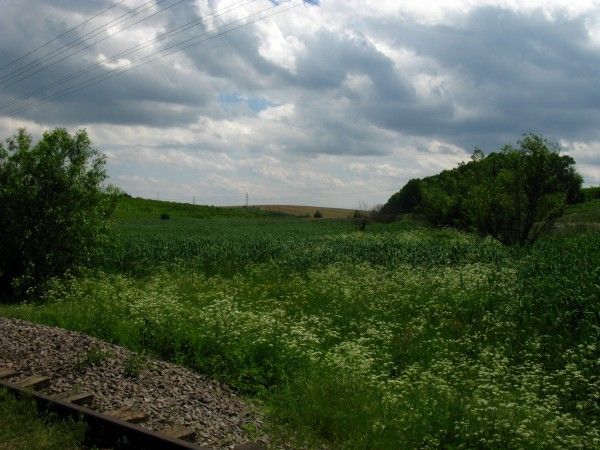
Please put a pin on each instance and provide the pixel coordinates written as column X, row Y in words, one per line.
column 165, row 216
column 317, row 214
column 404, row 201
column 53, row 207
column 591, row 193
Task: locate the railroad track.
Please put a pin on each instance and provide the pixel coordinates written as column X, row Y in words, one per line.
column 117, row 429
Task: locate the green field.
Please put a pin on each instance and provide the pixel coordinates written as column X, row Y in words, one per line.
column 397, row 337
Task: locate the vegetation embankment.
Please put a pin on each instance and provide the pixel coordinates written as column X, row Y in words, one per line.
column 401, row 336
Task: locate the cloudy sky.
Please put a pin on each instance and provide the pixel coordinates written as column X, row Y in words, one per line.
column 337, row 104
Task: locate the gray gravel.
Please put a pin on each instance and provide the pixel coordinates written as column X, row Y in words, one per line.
column 167, row 393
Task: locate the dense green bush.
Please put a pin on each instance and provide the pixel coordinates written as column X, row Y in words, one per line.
column 53, row 206
column 591, row 193
column 514, row 195
column 406, row 200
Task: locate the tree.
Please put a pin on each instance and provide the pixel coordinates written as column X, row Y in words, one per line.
column 514, row 195
column 404, row 201
column 317, row 214
column 54, row 208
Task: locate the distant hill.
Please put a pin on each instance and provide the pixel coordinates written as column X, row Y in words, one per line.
column 129, row 208
column 303, row 211
column 135, row 208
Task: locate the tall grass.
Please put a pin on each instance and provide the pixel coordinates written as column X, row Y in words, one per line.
column 23, row 427
column 400, row 337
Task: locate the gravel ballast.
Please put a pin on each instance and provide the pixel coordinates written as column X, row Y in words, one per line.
column 167, row 393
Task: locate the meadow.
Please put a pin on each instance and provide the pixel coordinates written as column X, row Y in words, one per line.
column 400, row 336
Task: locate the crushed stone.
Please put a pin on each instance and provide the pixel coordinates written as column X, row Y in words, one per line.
column 167, row 393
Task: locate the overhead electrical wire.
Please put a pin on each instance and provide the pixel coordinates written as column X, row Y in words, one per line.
column 143, row 61
column 134, row 49
column 39, row 47
column 82, row 39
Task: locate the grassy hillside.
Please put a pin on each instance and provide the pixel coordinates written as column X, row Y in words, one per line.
column 129, row 208
column 585, row 212
column 308, row 211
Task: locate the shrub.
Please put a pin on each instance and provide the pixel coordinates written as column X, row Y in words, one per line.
column 404, row 201
column 317, row 214
column 591, row 193
column 53, row 207
column 165, row 216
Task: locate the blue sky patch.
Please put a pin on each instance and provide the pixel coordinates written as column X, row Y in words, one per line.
column 256, row 104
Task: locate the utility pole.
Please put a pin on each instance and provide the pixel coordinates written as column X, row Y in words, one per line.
column 158, row 196
column 246, row 200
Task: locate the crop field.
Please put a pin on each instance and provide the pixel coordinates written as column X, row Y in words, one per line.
column 401, row 336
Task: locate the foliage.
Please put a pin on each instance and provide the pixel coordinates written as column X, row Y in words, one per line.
column 406, row 200
column 584, row 215
column 53, row 206
column 591, row 193
column 22, row 427
column 317, row 214
column 134, row 365
column 515, row 195
column 398, row 337
column 91, row 357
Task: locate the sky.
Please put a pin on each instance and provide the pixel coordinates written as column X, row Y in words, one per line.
column 335, row 103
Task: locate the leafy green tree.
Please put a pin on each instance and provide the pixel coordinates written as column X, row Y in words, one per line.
column 54, row 208
column 404, row 201
column 317, row 214
column 514, row 195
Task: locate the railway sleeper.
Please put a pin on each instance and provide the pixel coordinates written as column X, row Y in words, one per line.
column 6, row 372
column 34, row 382
column 75, row 397
column 128, row 415
column 179, row 432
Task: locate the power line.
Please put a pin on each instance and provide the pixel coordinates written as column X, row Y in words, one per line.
column 145, row 60
column 356, row 193
column 132, row 50
column 60, row 35
column 81, row 40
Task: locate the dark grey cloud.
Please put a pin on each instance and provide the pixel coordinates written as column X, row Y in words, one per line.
column 480, row 78
column 140, row 96
column 524, row 71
